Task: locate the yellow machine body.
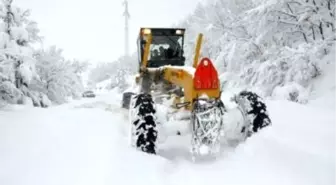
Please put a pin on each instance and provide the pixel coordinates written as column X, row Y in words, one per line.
column 182, row 76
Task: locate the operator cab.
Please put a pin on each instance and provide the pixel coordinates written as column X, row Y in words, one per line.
column 166, row 47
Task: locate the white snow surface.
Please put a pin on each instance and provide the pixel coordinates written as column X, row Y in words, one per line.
column 189, row 69
column 85, row 143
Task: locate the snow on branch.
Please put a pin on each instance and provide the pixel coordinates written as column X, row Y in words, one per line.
column 267, row 45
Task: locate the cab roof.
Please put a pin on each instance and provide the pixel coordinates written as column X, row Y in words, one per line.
column 163, row 31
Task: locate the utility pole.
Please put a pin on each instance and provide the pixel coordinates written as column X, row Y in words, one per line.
column 127, row 16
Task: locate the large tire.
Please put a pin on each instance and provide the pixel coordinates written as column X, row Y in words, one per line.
column 255, row 110
column 206, row 132
column 126, row 99
column 144, row 130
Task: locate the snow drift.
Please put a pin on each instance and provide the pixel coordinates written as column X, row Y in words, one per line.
column 86, row 142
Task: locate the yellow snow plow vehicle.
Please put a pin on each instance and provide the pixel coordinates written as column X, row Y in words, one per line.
column 163, row 77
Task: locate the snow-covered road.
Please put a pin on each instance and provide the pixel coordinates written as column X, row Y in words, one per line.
column 85, row 143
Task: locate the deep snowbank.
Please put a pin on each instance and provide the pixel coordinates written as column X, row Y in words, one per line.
column 85, row 142
column 323, row 93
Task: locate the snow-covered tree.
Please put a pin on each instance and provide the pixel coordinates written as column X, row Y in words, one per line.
column 116, row 72
column 17, row 65
column 264, row 44
column 59, row 78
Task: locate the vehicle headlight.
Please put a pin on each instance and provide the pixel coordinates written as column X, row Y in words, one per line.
column 146, row 31
column 179, row 32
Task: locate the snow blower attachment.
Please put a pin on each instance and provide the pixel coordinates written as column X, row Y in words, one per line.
column 193, row 89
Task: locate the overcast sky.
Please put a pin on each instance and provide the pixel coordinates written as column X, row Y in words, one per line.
column 93, row 29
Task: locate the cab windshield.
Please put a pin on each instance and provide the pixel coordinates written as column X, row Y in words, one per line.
column 166, row 47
